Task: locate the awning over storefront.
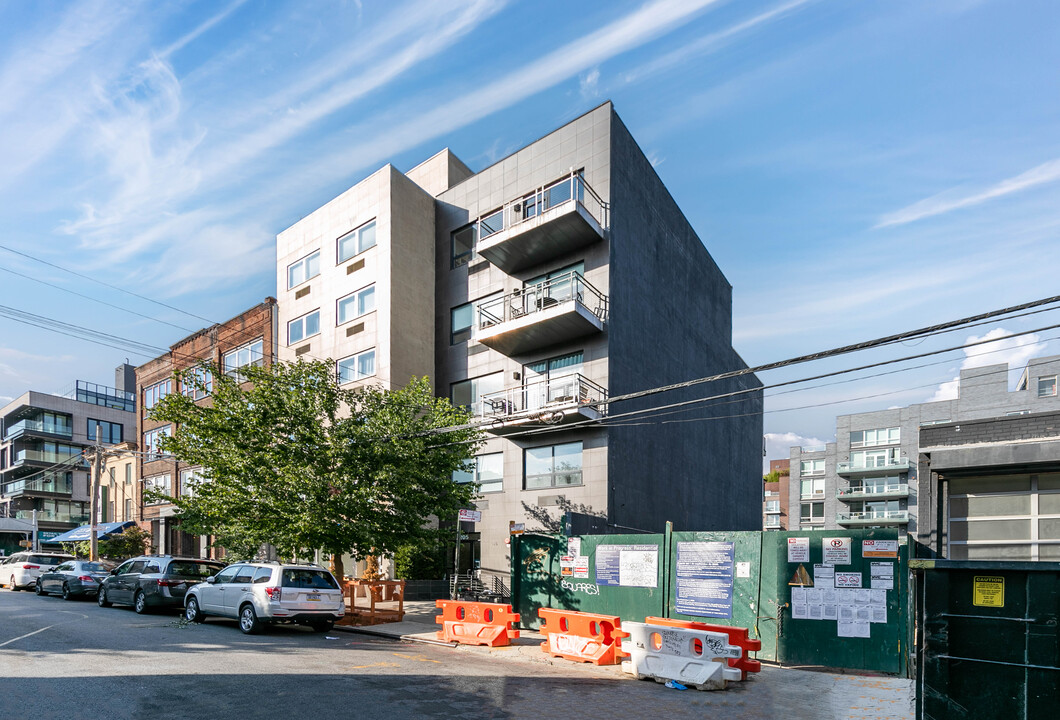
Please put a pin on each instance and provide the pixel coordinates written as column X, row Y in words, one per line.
column 85, row 532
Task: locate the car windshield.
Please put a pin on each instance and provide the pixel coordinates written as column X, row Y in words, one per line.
column 190, row 568
column 47, row 559
column 316, row 579
column 97, row 566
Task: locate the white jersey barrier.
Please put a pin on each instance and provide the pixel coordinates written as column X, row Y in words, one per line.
column 692, row 657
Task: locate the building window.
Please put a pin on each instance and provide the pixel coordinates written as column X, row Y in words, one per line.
column 873, row 438
column 303, row 327
column 356, row 241
column 158, row 483
column 305, row 269
column 128, row 473
column 128, row 509
column 772, row 506
column 812, row 513
column 356, row 304
column 487, row 471
column 462, row 318
column 463, row 245
column 250, row 354
column 553, row 466
column 154, row 393
column 109, row 432
column 772, row 522
column 874, row 458
column 812, row 467
column 357, row 367
column 468, row 393
column 813, row 487
column 198, row 384
column 1047, row 386
column 152, row 448
column 189, row 478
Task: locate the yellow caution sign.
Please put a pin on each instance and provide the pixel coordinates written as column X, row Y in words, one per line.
column 989, row 591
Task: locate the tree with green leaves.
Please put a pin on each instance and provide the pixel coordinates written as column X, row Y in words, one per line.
column 292, row 459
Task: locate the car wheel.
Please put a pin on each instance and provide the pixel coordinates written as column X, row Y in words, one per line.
column 140, row 602
column 101, row 598
column 11, row 584
column 248, row 620
column 67, row 595
column 39, row 589
column 192, row 612
column 322, row 625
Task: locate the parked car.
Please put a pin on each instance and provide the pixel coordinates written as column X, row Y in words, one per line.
column 258, row 594
column 151, row 581
column 74, row 578
column 22, row 569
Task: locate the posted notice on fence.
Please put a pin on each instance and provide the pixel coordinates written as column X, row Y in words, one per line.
column 704, row 579
column 627, row 565
column 798, row 549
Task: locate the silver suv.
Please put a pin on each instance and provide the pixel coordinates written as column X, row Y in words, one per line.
column 261, row 593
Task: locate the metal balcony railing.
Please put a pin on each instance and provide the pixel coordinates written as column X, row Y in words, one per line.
column 101, row 395
column 897, row 489
column 540, row 297
column 41, row 426
column 572, row 188
column 567, row 390
column 897, row 516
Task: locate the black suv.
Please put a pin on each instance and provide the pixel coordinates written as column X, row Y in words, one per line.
column 151, row 581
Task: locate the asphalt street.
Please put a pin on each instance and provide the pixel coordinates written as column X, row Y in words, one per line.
column 63, row 659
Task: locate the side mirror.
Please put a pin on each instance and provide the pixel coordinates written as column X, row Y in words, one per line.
column 114, row 571
column 211, row 579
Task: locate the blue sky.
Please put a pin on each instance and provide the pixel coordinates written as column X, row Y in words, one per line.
column 856, row 169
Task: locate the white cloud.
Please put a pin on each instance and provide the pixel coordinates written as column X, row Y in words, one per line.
column 589, row 84
column 778, row 446
column 1012, row 351
column 953, row 200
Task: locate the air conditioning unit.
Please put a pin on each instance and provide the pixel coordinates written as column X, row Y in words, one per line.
column 517, row 208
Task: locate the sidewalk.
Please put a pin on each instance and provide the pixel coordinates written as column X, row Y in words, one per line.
column 798, row 694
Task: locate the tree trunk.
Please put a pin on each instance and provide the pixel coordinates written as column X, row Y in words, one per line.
column 338, row 571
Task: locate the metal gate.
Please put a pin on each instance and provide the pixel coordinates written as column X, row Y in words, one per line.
column 988, row 644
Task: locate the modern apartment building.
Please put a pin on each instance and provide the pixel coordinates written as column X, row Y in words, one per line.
column 246, row 339
column 42, row 463
column 879, row 470
column 775, row 514
column 534, row 291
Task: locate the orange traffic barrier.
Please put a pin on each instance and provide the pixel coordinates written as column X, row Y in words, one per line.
column 476, row 623
column 737, row 636
column 582, row 637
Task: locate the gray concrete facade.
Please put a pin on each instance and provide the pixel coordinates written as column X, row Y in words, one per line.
column 902, row 476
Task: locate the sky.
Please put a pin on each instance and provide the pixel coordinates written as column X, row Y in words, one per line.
column 856, row 169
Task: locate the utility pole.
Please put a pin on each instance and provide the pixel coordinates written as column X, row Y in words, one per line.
column 97, row 473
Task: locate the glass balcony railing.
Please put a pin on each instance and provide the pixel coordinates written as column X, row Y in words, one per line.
column 58, row 484
column 888, row 465
column 39, row 426
column 47, row 457
column 896, row 490
column 873, row 517
column 49, row 515
column 812, row 448
column 101, row 395
column 541, row 396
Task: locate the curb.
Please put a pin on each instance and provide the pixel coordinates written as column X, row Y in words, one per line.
column 367, row 630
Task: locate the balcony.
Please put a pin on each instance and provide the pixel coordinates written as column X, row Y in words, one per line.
column 873, row 517
column 556, row 401
column 873, row 491
column 548, row 313
column 47, row 485
column 45, row 457
column 64, row 516
column 46, row 428
column 847, row 468
column 549, row 222
column 101, row 395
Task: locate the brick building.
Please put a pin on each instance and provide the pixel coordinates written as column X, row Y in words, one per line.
column 247, row 339
column 775, row 502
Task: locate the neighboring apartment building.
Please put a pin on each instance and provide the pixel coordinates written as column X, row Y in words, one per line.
column 531, row 292
column 873, row 476
column 246, row 339
column 42, row 462
column 118, row 498
column 775, row 501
